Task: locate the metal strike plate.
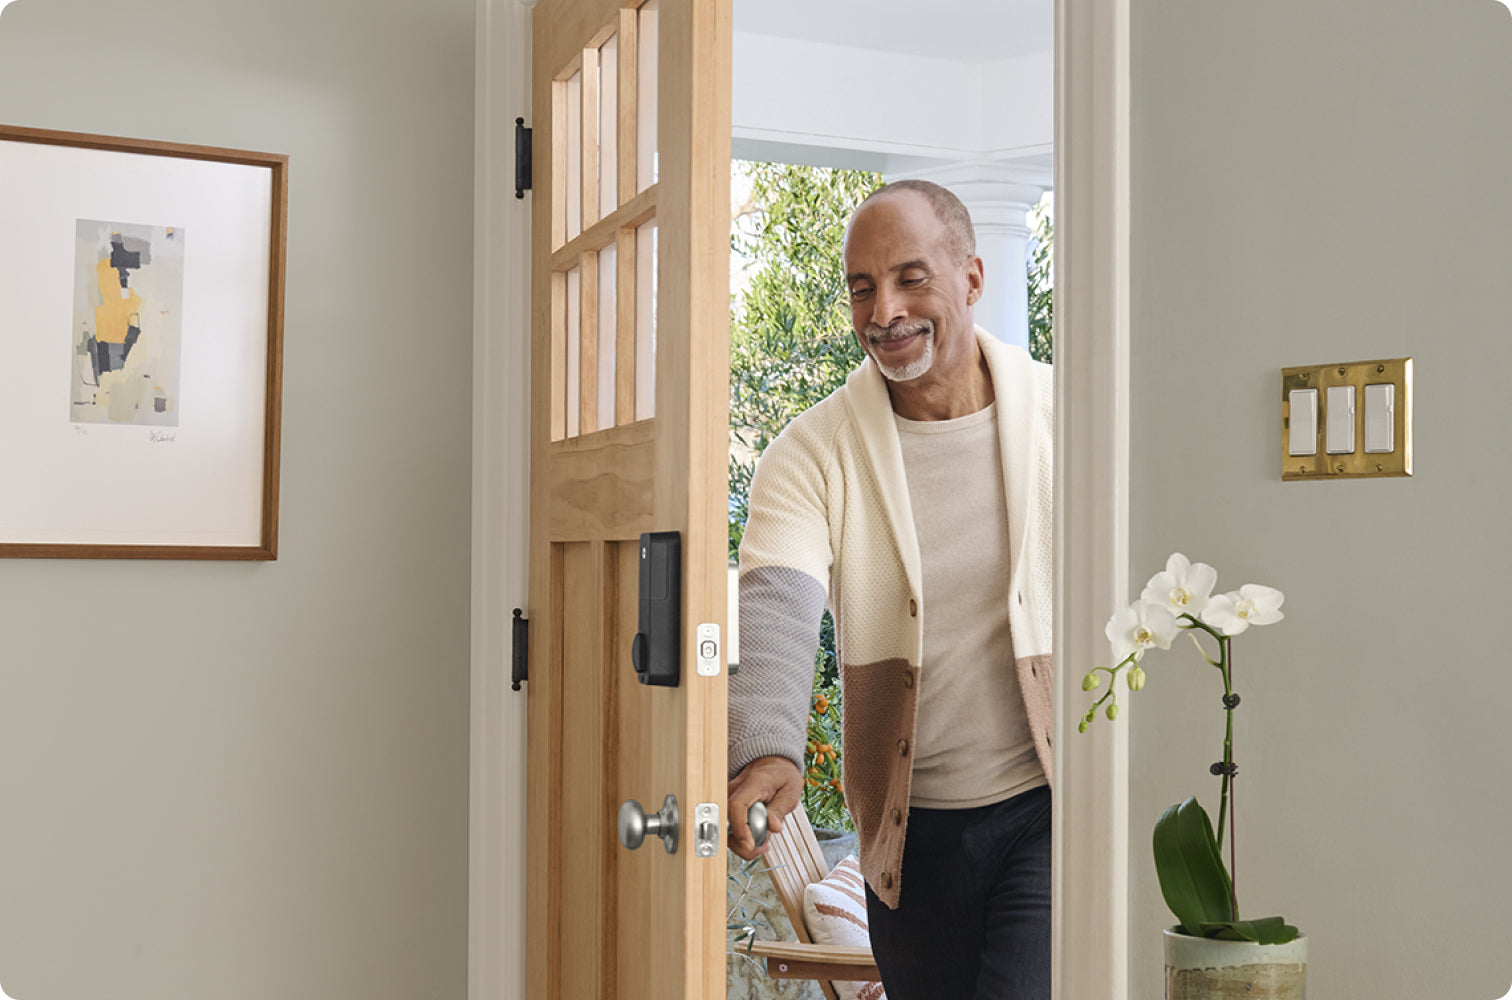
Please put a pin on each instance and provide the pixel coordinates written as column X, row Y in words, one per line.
column 708, row 650
column 706, row 829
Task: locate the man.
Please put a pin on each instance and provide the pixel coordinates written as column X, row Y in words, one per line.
column 916, row 502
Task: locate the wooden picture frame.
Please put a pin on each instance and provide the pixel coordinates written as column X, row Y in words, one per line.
column 141, row 326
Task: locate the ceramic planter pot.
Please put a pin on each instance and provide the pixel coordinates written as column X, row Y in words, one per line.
column 1209, row 969
column 835, row 845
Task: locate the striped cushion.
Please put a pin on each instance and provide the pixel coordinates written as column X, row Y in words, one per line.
column 835, row 912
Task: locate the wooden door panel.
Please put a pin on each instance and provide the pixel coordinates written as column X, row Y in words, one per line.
column 629, row 388
column 584, row 790
column 575, row 25
column 604, row 487
column 639, row 875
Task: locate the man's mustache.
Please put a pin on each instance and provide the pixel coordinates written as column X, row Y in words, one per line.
column 900, row 330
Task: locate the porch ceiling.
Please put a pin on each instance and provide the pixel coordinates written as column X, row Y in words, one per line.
column 970, row 31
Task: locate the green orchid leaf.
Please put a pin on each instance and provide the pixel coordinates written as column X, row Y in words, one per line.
column 1193, row 880
column 1266, row 930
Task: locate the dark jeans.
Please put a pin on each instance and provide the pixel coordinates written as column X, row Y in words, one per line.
column 973, row 920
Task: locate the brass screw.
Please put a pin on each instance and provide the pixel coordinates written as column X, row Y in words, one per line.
column 1380, row 368
column 1341, row 468
column 1379, row 469
column 1341, row 371
column 1304, row 378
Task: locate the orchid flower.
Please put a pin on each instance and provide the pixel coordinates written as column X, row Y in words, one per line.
column 1188, row 855
column 1139, row 626
column 1183, row 586
column 1251, row 604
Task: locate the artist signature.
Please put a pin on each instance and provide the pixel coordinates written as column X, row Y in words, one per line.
column 161, row 437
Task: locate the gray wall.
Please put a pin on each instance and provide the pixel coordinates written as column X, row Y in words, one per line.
column 250, row 781
column 1322, row 181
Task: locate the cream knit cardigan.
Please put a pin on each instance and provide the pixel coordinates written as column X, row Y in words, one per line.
column 831, row 524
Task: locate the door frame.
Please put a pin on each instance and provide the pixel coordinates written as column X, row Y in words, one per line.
column 1090, row 859
column 1092, row 383
column 500, row 504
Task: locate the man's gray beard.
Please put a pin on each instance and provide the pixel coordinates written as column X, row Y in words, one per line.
column 915, row 368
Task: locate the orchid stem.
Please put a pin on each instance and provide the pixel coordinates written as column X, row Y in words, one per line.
column 1226, row 801
column 1112, row 673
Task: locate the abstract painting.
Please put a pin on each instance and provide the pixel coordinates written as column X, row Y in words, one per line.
column 141, row 327
column 127, row 309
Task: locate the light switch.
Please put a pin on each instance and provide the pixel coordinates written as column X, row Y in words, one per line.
column 1380, row 419
column 1346, row 421
column 1341, row 420
column 1303, row 422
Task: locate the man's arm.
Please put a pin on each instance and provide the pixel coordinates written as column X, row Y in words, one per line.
column 785, row 560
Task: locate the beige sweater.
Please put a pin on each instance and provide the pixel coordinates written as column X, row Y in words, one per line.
column 831, row 524
column 972, row 742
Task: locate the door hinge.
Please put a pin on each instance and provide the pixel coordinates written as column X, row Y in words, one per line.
column 522, row 158
column 520, row 667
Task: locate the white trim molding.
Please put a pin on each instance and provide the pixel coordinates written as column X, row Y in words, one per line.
column 500, row 502
column 1091, row 853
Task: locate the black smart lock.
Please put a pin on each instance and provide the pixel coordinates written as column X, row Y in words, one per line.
column 657, row 649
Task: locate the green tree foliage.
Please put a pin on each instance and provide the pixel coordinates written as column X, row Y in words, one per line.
column 790, row 335
column 1042, row 280
column 791, row 345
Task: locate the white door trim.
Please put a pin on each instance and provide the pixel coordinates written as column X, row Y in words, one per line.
column 1092, row 348
column 500, row 505
column 1091, row 848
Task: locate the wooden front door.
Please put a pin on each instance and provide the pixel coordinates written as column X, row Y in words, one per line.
column 629, row 415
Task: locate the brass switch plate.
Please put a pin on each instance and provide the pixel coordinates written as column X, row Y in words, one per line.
column 1358, row 464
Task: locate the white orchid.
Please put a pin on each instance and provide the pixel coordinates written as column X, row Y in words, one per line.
column 1138, row 627
column 1183, row 586
column 1251, row 604
column 1188, row 859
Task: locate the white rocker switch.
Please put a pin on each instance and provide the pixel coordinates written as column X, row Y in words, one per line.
column 1302, row 426
column 1340, row 437
column 1380, row 419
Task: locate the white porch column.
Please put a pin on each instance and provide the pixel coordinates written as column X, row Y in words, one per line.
column 998, row 196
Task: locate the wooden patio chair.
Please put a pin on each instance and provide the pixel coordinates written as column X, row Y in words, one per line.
column 796, row 861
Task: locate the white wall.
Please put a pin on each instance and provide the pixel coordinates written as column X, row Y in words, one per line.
column 1322, row 181
column 250, row 781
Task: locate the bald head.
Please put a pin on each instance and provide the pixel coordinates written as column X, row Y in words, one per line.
column 959, row 232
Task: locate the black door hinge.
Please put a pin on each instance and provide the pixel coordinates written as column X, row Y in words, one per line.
column 520, row 668
column 522, row 158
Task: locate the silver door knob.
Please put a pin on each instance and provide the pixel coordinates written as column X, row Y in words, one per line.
column 756, row 816
column 635, row 825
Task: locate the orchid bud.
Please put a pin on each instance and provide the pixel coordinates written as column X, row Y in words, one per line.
column 1112, row 712
column 1090, row 681
column 1082, row 726
column 1136, row 679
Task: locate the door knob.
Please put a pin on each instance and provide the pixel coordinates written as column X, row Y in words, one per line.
column 756, row 817
column 635, row 825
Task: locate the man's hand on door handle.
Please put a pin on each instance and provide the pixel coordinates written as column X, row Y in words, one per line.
column 773, row 780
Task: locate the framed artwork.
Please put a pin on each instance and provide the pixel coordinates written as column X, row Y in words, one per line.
column 141, row 347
